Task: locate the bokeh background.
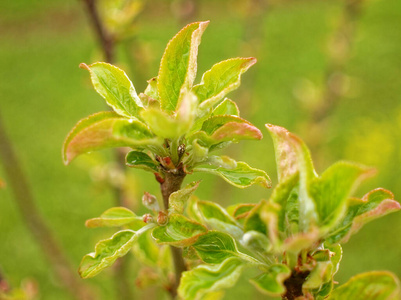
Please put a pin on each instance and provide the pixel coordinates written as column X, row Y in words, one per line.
column 330, row 71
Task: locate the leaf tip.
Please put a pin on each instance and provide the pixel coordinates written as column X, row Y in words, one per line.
column 84, row 66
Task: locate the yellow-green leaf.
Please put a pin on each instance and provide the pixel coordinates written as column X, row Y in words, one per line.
column 378, row 285
column 272, row 281
column 178, row 65
column 115, row 87
column 115, row 217
column 221, row 79
column 105, row 130
column 179, row 231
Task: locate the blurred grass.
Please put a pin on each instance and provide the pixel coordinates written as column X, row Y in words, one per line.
column 43, row 94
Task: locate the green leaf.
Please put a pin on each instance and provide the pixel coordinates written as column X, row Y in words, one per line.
column 242, row 176
column 217, row 218
column 221, row 79
column 332, row 189
column 178, row 65
column 292, row 156
column 373, row 205
column 115, row 87
column 107, row 251
column 321, row 274
column 179, row 231
column 105, row 130
column 151, row 89
column 205, row 279
column 214, row 123
column 146, row 250
column 377, row 285
column 140, row 160
column 115, row 217
column 214, row 247
column 242, row 210
column 272, row 281
column 227, row 107
column 179, row 198
column 219, row 161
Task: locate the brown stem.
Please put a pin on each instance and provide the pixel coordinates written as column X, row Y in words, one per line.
column 294, row 284
column 106, row 40
column 172, row 183
column 24, row 198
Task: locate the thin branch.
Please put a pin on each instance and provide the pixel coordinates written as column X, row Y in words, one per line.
column 18, row 184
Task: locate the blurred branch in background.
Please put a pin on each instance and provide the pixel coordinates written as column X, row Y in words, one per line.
column 18, row 184
column 336, row 81
column 185, row 11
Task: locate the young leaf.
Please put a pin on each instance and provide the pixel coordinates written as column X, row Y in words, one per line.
column 220, row 161
column 214, row 247
column 221, row 79
column 146, row 250
column 217, row 218
column 377, row 285
column 179, row 198
column 242, row 176
column 178, row 65
column 136, row 159
column 115, row 217
column 205, row 279
column 331, row 190
column 115, row 87
column 374, row 204
column 107, row 251
column 151, row 89
column 272, row 281
column 227, row 107
column 104, row 130
column 321, row 274
column 179, row 231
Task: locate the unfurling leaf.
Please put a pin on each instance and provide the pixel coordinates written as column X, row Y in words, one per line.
column 205, row 279
column 179, row 198
column 115, row 87
column 369, row 286
column 105, row 130
column 214, row 247
column 217, row 218
column 107, row 251
column 178, row 65
column 227, row 107
column 115, row 217
column 221, row 79
column 331, row 190
column 242, row 176
column 374, row 204
column 272, row 281
column 179, row 231
column 141, row 160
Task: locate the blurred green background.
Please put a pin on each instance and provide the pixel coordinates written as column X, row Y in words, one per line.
column 309, row 52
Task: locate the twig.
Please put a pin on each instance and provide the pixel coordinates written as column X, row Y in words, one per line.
column 18, row 184
column 172, row 183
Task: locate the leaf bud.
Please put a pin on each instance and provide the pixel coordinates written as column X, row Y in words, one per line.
column 162, row 218
column 147, row 218
column 150, row 201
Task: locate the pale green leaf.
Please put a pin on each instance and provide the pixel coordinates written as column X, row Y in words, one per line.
column 146, row 250
column 332, row 189
column 178, row 199
column 374, row 204
column 107, row 251
column 115, row 217
column 227, row 107
column 214, row 247
column 179, row 231
column 141, row 160
column 215, row 217
column 178, row 65
column 115, row 87
column 219, row 161
column 221, row 79
column 242, row 176
column 205, row 279
column 272, row 281
column 105, row 130
column 378, row 285
column 151, row 89
column 321, row 274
